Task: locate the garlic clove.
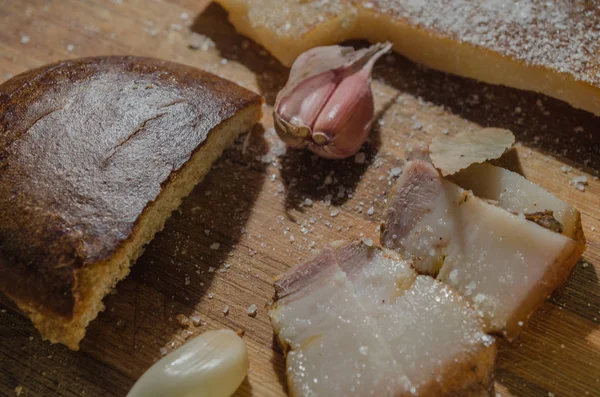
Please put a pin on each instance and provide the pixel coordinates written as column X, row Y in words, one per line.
column 346, row 118
column 313, row 94
column 327, row 104
column 213, row 364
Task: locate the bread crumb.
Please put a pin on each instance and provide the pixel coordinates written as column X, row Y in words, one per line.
column 215, row 246
column 182, row 320
column 18, row 390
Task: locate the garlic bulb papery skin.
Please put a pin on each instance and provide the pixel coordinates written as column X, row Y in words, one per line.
column 213, row 364
column 327, row 103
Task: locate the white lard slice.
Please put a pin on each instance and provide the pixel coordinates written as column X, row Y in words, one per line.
column 503, row 263
column 358, row 321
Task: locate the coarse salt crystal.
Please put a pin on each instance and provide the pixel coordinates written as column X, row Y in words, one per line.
column 252, row 309
column 360, row 158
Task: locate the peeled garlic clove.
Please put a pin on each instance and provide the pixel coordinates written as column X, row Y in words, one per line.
column 327, row 103
column 213, row 364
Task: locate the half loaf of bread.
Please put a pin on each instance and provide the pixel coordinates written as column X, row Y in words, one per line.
column 95, row 154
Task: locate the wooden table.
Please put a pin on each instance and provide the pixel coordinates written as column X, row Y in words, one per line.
column 251, row 203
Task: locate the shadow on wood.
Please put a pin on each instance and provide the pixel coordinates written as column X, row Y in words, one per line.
column 278, row 362
column 271, row 75
column 537, row 120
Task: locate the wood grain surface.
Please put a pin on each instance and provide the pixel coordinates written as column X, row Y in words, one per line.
column 252, row 204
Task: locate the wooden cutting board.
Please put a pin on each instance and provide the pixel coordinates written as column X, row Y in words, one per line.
column 252, row 205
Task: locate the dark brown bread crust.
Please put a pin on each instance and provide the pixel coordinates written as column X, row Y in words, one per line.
column 85, row 146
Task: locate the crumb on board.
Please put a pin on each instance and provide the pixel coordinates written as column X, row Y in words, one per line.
column 182, row 320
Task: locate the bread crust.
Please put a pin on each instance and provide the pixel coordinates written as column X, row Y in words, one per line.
column 87, row 147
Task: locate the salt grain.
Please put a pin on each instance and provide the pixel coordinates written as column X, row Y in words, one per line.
column 582, row 179
column 226, row 310
column 215, row 246
column 396, row 171
column 252, row 310
column 368, row 242
column 25, row 39
column 360, row 158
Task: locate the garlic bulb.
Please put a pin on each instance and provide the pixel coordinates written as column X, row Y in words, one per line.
column 213, row 364
column 327, row 103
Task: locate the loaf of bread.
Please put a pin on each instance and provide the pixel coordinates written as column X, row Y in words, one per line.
column 95, row 154
column 551, row 47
